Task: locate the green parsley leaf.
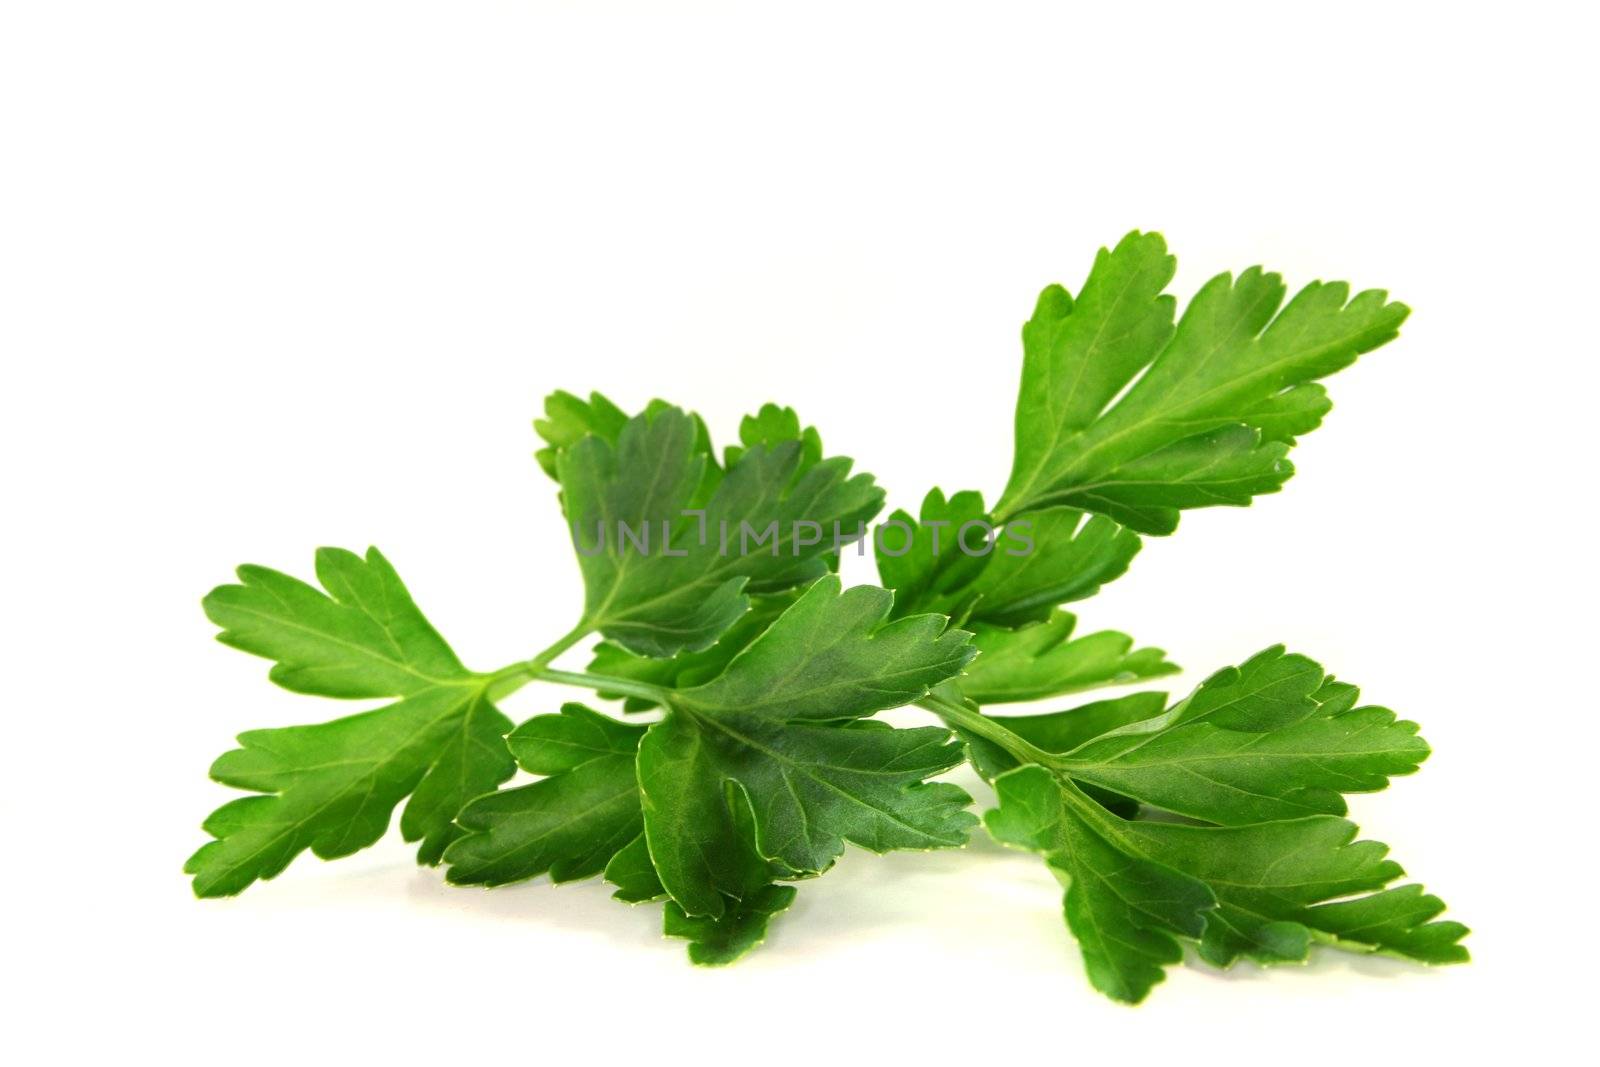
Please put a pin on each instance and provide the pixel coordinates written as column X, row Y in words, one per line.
column 364, row 637
column 1125, row 910
column 1271, row 739
column 1049, row 557
column 333, row 787
column 569, row 824
column 1265, row 890
column 752, row 897
column 921, row 561
column 584, row 817
column 1005, row 590
column 778, row 728
column 715, row 942
column 470, row 761
column 1211, row 820
column 633, row 873
column 685, row 591
column 1217, row 401
column 688, row 669
column 1044, row 660
column 568, row 420
column 772, row 426
column 944, row 560
column 1271, row 878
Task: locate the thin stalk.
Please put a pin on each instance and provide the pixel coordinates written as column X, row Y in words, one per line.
column 564, row 642
column 605, row 683
column 991, row 730
column 508, row 680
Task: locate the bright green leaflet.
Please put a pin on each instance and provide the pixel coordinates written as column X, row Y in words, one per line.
column 752, row 897
column 1073, row 555
column 1043, row 660
column 941, row 560
column 919, row 558
column 568, row 420
column 1217, row 401
column 333, row 787
column 1271, row 880
column 688, row 668
column 1006, row 593
column 364, row 637
column 584, row 818
column 1134, row 888
column 691, row 587
column 1266, row 750
column 775, row 726
column 1252, row 761
column 1126, row 911
column 1274, row 738
column 748, row 881
column 718, row 941
column 770, row 427
column 568, row 824
column 633, row 873
column 778, row 728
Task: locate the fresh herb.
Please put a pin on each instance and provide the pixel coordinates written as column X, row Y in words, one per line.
column 743, row 755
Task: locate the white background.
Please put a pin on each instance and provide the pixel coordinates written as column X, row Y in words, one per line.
column 289, row 274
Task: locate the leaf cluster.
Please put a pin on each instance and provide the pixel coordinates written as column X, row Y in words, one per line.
column 732, row 748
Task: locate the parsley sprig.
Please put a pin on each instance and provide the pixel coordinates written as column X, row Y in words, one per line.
column 741, row 753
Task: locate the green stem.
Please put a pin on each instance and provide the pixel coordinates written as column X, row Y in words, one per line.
column 605, row 684
column 994, row 731
column 564, row 642
column 508, row 680
column 990, row 730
